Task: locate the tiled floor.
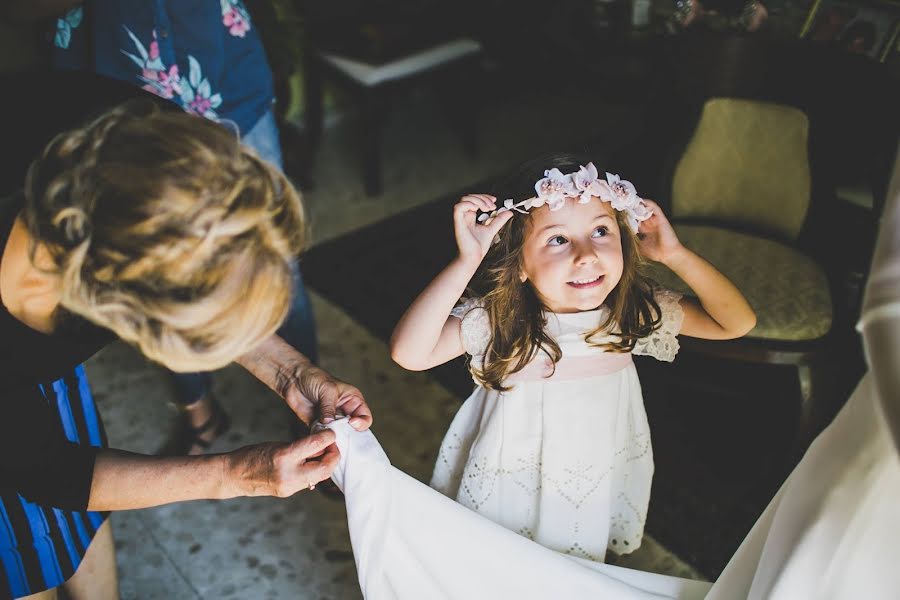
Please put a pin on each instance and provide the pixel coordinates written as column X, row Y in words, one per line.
column 299, row 547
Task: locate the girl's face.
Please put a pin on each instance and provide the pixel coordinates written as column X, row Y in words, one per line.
column 573, row 256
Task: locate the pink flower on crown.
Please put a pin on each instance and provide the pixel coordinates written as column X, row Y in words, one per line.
column 553, row 189
column 587, row 182
column 620, row 193
column 637, row 213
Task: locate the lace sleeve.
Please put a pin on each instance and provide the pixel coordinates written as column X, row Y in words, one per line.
column 662, row 344
column 475, row 328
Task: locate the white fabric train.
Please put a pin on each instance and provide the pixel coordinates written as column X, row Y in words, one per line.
column 831, row 531
column 411, row 542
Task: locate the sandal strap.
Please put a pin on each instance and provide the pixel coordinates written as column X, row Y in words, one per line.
column 217, row 418
column 199, row 441
column 212, row 422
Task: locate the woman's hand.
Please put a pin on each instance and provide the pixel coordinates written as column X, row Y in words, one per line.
column 473, row 238
column 310, row 391
column 123, row 481
column 282, row 469
column 310, row 387
column 658, row 240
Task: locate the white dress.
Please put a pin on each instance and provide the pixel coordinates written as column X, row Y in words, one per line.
column 831, row 531
column 565, row 461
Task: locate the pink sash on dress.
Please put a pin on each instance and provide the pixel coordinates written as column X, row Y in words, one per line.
column 576, row 367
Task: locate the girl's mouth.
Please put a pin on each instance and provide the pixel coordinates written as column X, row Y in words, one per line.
column 582, row 284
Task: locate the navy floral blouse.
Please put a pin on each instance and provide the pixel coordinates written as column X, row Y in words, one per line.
column 203, row 54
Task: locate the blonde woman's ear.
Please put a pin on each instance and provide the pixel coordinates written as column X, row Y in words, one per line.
column 523, row 277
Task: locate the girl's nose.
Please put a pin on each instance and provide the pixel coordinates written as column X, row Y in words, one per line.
column 585, row 254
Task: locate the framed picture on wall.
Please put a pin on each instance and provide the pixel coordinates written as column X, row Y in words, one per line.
column 862, row 27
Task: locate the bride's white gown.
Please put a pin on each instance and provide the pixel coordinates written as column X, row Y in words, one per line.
column 832, row 529
column 413, row 543
column 829, row 533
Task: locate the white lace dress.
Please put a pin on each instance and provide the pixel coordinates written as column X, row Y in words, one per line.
column 563, row 460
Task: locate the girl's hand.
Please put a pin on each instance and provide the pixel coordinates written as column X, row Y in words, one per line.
column 658, row 240
column 473, row 238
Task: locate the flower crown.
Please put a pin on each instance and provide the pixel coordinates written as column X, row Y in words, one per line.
column 555, row 187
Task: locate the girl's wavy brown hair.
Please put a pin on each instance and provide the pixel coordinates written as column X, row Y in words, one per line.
column 165, row 230
column 517, row 314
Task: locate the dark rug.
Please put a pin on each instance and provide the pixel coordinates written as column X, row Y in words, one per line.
column 720, row 430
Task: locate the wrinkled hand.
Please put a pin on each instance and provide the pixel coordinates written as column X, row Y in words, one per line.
column 314, row 394
column 474, row 239
column 282, row 469
column 658, row 240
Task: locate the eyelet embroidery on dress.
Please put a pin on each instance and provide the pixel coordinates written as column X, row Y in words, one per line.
column 577, row 483
column 475, row 329
column 663, row 344
column 479, row 481
column 473, row 479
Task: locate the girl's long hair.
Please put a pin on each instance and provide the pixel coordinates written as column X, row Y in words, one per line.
column 515, row 311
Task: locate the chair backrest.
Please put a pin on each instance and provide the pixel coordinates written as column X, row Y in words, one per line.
column 747, row 164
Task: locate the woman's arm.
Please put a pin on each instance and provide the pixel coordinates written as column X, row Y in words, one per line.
column 425, row 337
column 38, row 462
column 123, row 480
column 722, row 312
column 308, row 390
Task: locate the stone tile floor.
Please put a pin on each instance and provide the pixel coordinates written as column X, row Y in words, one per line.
column 299, row 547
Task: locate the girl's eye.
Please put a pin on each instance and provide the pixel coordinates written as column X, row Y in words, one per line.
column 601, row 231
column 557, row 240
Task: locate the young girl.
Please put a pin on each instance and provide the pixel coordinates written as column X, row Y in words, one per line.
column 554, row 442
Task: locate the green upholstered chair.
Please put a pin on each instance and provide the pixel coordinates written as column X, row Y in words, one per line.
column 745, row 143
column 740, row 197
column 747, row 166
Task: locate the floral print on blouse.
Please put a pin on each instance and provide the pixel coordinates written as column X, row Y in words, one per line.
column 204, row 55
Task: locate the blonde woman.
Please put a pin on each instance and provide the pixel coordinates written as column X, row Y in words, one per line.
column 160, row 230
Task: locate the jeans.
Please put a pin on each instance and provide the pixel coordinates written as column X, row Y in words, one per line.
column 263, row 137
column 299, row 329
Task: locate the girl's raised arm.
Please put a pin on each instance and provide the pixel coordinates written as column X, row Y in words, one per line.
column 425, row 336
column 721, row 311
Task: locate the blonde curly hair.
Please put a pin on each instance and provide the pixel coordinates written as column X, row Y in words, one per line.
column 165, row 230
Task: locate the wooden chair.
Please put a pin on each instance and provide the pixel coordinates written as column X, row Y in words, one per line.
column 748, row 181
column 378, row 56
